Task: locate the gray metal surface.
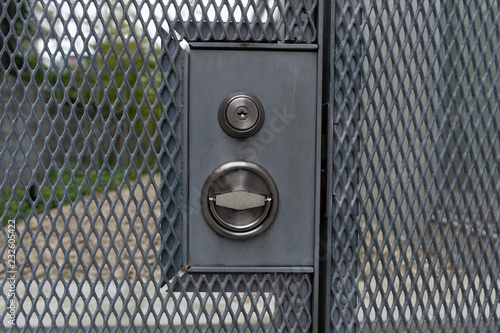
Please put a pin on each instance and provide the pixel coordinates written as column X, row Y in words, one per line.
column 285, row 82
column 90, row 90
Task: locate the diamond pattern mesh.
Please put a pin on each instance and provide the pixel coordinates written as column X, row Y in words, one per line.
column 416, row 182
column 90, row 168
column 245, row 20
column 91, row 158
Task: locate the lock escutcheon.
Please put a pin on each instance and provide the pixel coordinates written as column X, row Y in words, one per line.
column 241, row 115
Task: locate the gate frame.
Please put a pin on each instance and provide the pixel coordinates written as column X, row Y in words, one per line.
column 335, row 250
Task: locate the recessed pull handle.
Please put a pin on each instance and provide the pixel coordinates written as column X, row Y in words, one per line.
column 239, row 200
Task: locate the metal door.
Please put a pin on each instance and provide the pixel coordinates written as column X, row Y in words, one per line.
column 92, row 189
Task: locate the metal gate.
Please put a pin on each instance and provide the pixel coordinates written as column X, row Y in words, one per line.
column 91, row 160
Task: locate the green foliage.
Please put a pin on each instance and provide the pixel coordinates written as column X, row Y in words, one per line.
column 119, row 77
column 112, row 82
column 65, row 185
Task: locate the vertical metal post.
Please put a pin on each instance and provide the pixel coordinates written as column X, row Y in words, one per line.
column 340, row 225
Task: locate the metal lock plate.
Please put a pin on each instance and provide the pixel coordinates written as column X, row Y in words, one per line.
column 235, row 220
column 239, row 200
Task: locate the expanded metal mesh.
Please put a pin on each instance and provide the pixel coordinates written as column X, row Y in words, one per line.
column 91, row 117
column 91, row 99
column 416, row 166
column 254, row 20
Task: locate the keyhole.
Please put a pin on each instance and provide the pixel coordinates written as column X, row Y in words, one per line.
column 242, row 114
